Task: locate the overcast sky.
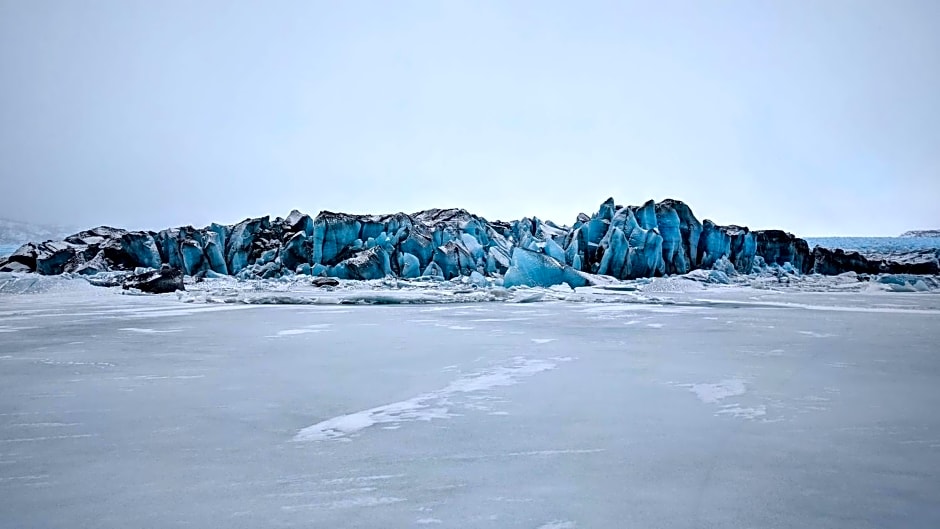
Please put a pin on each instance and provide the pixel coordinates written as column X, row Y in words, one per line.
column 820, row 117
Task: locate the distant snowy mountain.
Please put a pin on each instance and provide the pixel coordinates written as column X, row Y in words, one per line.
column 921, row 233
column 14, row 233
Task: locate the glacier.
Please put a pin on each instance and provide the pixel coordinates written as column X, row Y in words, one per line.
column 616, row 242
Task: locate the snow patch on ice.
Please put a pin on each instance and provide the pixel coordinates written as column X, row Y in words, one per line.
column 772, row 352
column 735, row 410
column 427, row 406
column 48, row 438
column 31, row 477
column 427, row 521
column 73, row 363
column 712, row 393
column 294, row 332
column 816, row 334
column 320, row 327
column 159, row 377
column 556, row 452
column 46, row 424
column 149, row 331
column 726, row 389
column 558, row 524
column 7, row 328
column 360, row 479
column 544, row 340
column 840, row 365
column 175, row 311
column 806, row 306
column 366, row 501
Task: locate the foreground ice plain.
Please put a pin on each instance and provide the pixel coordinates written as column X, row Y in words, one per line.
column 668, row 407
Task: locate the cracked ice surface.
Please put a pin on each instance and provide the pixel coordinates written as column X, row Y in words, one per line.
column 427, row 406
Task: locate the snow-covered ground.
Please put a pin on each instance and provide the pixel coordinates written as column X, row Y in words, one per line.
column 668, row 403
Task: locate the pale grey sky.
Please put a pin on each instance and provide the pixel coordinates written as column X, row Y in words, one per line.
column 820, row 117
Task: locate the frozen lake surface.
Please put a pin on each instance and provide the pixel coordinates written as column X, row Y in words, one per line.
column 731, row 408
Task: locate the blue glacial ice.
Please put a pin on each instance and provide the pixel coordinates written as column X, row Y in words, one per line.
column 535, row 269
column 621, row 242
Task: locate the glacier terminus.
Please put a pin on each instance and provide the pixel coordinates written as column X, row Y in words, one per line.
column 616, row 242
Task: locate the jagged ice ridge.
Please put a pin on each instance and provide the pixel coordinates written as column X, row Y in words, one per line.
column 622, row 242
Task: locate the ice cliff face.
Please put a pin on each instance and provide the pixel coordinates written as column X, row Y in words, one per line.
column 623, row 242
